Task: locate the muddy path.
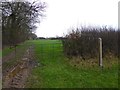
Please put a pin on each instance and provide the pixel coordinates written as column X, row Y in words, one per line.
column 16, row 76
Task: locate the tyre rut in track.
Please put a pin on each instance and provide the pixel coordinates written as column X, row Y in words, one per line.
column 17, row 76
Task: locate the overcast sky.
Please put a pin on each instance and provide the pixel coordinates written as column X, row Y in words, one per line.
column 64, row 14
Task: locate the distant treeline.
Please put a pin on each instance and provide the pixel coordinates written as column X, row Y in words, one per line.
column 52, row 38
column 57, row 38
column 83, row 42
column 41, row 38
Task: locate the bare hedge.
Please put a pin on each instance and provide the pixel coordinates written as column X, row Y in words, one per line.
column 83, row 42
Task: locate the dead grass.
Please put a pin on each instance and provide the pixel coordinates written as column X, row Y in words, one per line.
column 92, row 63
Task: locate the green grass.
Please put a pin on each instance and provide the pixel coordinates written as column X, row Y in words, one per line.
column 8, row 50
column 56, row 71
column 5, row 51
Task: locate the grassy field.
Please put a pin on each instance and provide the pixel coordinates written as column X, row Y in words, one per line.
column 54, row 70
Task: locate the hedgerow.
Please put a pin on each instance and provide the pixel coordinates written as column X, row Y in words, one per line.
column 84, row 42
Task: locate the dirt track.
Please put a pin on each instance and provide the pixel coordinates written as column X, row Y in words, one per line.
column 16, row 77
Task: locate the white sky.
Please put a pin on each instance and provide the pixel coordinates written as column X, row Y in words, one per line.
column 64, row 14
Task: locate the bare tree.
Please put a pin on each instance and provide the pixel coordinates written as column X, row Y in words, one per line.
column 18, row 20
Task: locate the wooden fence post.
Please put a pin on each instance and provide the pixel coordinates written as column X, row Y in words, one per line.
column 100, row 53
